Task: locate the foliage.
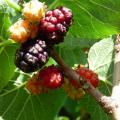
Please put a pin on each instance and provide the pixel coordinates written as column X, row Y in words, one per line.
column 89, row 42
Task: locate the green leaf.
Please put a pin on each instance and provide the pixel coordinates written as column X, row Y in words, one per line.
column 73, row 42
column 7, row 66
column 71, row 51
column 89, row 105
column 4, row 21
column 73, row 56
column 100, row 57
column 17, row 104
column 93, row 19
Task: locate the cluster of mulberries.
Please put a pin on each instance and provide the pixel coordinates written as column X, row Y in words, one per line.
column 51, row 77
column 36, row 32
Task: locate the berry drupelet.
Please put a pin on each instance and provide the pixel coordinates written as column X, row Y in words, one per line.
column 32, row 55
column 55, row 25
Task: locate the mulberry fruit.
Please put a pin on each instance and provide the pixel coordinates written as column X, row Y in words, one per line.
column 72, row 91
column 22, row 30
column 86, row 74
column 55, row 25
column 32, row 55
column 51, row 77
column 34, row 11
column 34, row 85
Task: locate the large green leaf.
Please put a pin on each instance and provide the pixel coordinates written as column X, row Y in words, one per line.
column 100, row 58
column 73, row 56
column 93, row 18
column 17, row 104
column 7, row 66
column 73, row 42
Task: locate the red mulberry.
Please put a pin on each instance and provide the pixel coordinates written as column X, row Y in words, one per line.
column 51, row 77
column 86, row 74
column 55, row 25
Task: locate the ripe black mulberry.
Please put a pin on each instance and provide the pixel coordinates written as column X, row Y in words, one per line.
column 32, row 55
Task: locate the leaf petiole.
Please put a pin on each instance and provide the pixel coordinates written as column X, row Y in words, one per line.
column 7, row 42
column 13, row 5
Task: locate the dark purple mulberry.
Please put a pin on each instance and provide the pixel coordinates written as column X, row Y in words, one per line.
column 55, row 25
column 32, row 55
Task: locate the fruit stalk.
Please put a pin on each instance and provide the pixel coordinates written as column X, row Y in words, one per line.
column 7, row 42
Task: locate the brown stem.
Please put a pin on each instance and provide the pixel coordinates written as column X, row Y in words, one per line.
column 106, row 102
column 116, row 80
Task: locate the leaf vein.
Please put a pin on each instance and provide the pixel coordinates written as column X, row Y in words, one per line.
column 10, row 105
column 23, row 108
